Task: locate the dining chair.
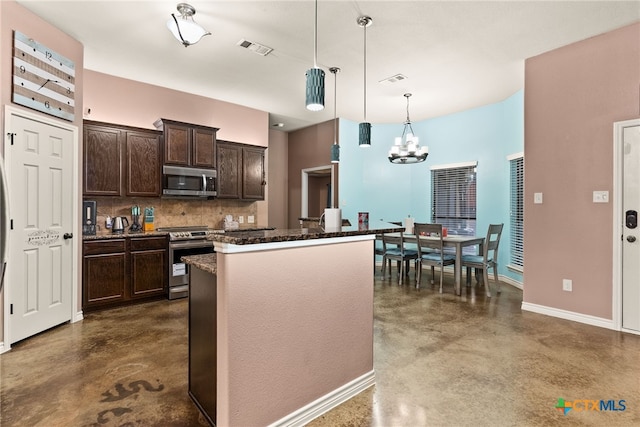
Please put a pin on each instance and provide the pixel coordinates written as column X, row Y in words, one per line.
column 430, row 250
column 488, row 259
column 393, row 248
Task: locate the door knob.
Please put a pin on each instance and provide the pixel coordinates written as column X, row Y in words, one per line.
column 66, row 236
column 631, row 239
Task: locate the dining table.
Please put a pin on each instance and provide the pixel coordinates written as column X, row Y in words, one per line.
column 455, row 241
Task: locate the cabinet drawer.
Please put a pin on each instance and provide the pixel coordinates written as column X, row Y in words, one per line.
column 148, row 243
column 107, row 246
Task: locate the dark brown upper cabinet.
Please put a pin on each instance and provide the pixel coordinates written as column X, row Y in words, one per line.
column 121, row 161
column 241, row 172
column 187, row 144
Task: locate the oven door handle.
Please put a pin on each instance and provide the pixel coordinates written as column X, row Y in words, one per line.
column 200, row 243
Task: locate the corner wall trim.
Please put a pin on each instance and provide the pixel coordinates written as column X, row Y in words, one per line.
column 327, row 402
column 569, row 315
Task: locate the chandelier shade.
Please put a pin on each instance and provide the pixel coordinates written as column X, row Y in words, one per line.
column 184, row 28
column 406, row 148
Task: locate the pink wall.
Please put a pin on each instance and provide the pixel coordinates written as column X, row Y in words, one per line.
column 288, row 336
column 573, row 95
column 127, row 102
column 277, row 178
column 309, row 147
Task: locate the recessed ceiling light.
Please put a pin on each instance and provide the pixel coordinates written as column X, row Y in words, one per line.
column 278, row 125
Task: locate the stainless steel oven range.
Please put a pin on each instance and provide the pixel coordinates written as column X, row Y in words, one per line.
column 185, row 241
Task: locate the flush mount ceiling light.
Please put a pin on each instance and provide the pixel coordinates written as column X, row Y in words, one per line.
column 315, row 75
column 406, row 148
column 364, row 128
column 184, row 28
column 335, row 148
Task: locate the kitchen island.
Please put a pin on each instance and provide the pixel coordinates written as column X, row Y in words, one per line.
column 281, row 324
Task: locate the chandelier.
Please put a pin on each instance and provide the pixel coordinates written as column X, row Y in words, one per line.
column 406, row 148
column 184, row 28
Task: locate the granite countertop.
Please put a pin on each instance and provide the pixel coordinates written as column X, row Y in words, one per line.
column 104, row 234
column 206, row 262
column 286, row 235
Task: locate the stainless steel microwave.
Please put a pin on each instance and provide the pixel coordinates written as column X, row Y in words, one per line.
column 188, row 182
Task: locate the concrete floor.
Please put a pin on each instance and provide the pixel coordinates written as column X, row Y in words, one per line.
column 440, row 360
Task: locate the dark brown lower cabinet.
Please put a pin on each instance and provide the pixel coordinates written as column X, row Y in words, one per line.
column 120, row 271
column 148, row 267
column 104, row 273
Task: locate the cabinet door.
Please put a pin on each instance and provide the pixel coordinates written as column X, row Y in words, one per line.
column 177, row 143
column 229, row 170
column 148, row 273
column 253, row 174
column 104, row 273
column 102, row 150
column 203, row 153
column 144, row 164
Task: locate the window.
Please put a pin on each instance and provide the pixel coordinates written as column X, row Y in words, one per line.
column 517, row 211
column 453, row 201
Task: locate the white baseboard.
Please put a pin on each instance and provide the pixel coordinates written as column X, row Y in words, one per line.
column 77, row 317
column 2, row 349
column 327, row 402
column 510, row 281
column 569, row 315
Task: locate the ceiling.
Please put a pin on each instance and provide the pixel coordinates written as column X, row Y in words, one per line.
column 455, row 55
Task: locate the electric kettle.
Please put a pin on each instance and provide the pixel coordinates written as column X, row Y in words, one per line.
column 119, row 223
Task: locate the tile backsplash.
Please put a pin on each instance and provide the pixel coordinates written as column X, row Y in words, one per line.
column 176, row 212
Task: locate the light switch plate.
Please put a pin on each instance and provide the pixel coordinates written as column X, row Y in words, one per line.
column 600, row 197
column 250, row 219
column 537, row 198
column 241, row 219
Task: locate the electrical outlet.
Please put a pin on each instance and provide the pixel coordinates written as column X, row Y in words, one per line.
column 600, row 197
column 241, row 219
column 251, row 219
column 567, row 285
column 537, row 198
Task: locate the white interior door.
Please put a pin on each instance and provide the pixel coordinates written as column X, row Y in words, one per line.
column 40, row 163
column 631, row 229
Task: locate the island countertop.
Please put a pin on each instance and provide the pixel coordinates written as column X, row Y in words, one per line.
column 206, row 262
column 288, row 235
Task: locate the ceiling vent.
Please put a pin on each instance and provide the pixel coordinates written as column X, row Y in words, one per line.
column 394, row 79
column 260, row 49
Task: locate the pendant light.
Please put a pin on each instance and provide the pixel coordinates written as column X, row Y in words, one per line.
column 406, row 148
column 184, row 28
column 335, row 148
column 315, row 75
column 364, row 128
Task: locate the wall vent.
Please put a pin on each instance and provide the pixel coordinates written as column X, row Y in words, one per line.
column 260, row 49
column 394, row 79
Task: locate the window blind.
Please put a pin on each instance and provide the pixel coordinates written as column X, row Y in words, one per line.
column 517, row 211
column 453, row 201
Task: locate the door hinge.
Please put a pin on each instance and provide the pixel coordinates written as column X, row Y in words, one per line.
column 10, row 308
column 11, row 135
column 11, row 225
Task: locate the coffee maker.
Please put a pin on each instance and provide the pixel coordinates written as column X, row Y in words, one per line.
column 89, row 218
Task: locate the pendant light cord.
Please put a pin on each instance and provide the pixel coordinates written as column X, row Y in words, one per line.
column 365, row 73
column 335, row 103
column 408, row 122
column 315, row 38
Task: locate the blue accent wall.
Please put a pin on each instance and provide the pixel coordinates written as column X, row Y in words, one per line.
column 368, row 182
